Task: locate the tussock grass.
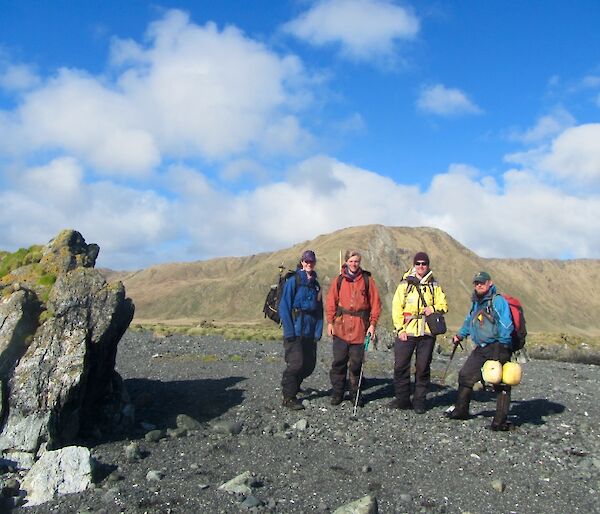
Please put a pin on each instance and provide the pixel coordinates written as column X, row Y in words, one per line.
column 548, row 346
column 232, row 332
column 552, row 346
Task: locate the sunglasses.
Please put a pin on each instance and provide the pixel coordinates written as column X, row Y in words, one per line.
column 310, row 262
column 422, row 263
column 478, row 283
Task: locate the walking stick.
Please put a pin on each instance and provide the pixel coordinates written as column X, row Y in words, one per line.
column 367, row 341
column 456, row 345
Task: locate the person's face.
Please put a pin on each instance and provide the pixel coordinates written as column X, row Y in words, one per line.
column 353, row 263
column 309, row 265
column 481, row 288
column 421, row 268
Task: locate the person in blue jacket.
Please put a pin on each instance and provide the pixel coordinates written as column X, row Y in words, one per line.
column 489, row 324
column 301, row 314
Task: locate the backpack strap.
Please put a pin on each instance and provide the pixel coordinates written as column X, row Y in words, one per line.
column 362, row 313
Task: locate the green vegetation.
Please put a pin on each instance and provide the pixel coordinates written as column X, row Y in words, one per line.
column 22, row 257
column 230, row 332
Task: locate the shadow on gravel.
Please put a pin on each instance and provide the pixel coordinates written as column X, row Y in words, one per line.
column 159, row 403
column 530, row 412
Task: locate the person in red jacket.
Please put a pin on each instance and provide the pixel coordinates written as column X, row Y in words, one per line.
column 352, row 309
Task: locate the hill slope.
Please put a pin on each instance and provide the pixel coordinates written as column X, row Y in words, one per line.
column 233, row 289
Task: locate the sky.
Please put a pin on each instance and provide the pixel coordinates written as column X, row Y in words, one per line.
column 183, row 131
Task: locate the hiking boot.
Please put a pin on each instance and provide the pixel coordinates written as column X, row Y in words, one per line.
column 419, row 408
column 336, row 399
column 461, row 409
column 292, row 404
column 500, row 423
column 400, row 404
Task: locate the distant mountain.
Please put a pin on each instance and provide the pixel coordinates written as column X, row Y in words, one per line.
column 559, row 296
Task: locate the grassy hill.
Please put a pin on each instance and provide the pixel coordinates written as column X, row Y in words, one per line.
column 559, row 296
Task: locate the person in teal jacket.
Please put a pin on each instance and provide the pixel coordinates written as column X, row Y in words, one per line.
column 489, row 325
column 301, row 314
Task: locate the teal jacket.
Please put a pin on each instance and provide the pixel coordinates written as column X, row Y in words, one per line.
column 489, row 320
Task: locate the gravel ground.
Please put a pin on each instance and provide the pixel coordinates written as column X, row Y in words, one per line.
column 319, row 459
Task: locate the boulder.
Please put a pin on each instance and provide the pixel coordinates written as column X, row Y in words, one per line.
column 59, row 359
column 59, row 472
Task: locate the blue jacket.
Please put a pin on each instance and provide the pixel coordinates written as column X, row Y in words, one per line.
column 301, row 310
column 489, row 320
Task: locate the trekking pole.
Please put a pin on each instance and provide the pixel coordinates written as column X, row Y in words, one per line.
column 367, row 341
column 456, row 345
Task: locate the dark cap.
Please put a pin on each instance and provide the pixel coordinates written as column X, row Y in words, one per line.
column 421, row 256
column 309, row 256
column 482, row 276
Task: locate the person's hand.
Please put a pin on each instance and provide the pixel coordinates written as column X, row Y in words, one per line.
column 330, row 329
column 428, row 310
column 403, row 336
column 456, row 340
column 371, row 330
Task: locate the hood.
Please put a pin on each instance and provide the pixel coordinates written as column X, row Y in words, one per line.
column 412, row 273
column 346, row 274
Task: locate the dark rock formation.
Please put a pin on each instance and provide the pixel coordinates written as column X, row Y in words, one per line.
column 60, row 323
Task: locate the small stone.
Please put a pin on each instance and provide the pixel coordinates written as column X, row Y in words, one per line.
column 154, row 436
column 175, row 433
column 251, row 502
column 187, row 422
column 111, row 495
column 10, row 487
column 115, row 476
column 366, row 469
column 133, row 452
column 498, row 485
column 238, row 484
column 154, row 475
column 301, row 425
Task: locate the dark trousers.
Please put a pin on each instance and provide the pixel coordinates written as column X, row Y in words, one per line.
column 403, row 351
column 470, row 373
column 300, row 357
column 347, row 359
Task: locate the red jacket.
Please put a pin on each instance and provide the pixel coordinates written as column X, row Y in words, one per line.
column 352, row 298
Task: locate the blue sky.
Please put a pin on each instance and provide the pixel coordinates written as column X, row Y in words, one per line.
column 177, row 131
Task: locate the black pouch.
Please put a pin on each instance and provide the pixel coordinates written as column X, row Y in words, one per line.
column 436, row 323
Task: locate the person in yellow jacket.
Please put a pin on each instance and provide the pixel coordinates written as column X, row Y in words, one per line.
column 414, row 336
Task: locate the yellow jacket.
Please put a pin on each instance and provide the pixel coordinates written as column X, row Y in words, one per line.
column 407, row 307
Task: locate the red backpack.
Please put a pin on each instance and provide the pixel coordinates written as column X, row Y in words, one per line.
column 519, row 332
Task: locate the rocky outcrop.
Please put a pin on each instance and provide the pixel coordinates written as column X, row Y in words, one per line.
column 60, row 324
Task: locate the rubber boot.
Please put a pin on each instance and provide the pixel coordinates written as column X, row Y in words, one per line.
column 292, row 403
column 500, row 423
column 461, row 409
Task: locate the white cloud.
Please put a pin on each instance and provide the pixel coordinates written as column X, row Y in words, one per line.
column 18, row 77
column 575, row 155
column 363, row 28
column 443, row 101
column 37, row 203
column 194, row 219
column 546, row 126
column 178, row 95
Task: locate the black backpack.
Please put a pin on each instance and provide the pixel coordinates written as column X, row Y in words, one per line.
column 271, row 307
